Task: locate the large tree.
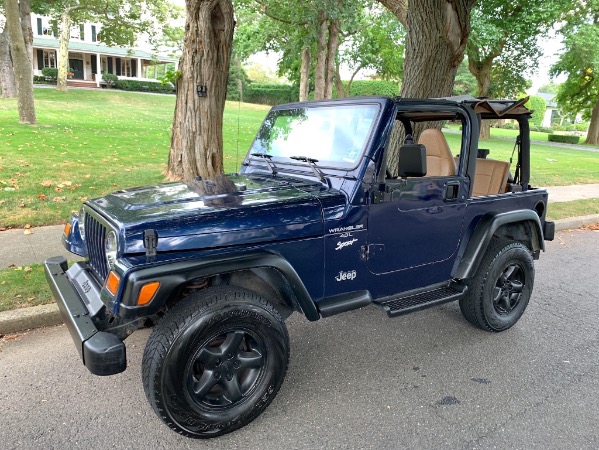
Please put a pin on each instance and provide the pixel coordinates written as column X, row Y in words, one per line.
column 503, row 45
column 580, row 62
column 8, row 84
column 197, row 139
column 18, row 24
column 309, row 36
column 437, row 34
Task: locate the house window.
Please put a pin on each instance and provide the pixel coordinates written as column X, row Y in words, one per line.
column 82, row 32
column 39, row 26
column 49, row 58
column 104, row 64
column 126, row 67
column 94, row 33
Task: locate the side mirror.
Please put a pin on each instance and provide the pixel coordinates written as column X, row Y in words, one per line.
column 412, row 160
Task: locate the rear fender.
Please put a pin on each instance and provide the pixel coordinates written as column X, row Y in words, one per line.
column 522, row 225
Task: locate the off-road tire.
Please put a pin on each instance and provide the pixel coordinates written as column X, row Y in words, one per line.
column 215, row 361
column 499, row 292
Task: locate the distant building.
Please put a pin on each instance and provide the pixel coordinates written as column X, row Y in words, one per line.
column 552, row 111
column 89, row 58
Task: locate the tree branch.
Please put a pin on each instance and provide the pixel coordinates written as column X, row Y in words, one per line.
column 399, row 8
column 267, row 13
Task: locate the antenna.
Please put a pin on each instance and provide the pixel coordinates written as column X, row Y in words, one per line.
column 240, row 89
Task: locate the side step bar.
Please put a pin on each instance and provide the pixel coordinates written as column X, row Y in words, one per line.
column 417, row 300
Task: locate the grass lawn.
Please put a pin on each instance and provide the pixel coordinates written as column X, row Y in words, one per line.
column 23, row 286
column 89, row 143
column 561, row 210
column 550, row 166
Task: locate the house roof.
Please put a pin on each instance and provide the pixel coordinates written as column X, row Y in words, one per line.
column 88, row 47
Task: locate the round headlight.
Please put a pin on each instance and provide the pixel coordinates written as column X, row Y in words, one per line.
column 111, row 249
column 82, row 223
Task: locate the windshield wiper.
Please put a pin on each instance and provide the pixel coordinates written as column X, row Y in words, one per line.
column 268, row 158
column 312, row 163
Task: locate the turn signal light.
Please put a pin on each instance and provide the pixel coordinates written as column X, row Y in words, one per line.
column 67, row 229
column 112, row 283
column 146, row 293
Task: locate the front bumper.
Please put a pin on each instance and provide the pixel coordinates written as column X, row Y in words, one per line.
column 102, row 353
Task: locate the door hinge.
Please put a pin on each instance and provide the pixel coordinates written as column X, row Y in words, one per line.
column 150, row 242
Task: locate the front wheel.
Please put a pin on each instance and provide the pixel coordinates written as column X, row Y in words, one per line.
column 499, row 292
column 215, row 361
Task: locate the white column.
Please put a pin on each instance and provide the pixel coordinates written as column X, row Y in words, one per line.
column 139, row 68
column 99, row 69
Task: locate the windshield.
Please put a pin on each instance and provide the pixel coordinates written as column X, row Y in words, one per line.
column 334, row 135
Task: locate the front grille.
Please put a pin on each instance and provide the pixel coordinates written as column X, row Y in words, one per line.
column 95, row 239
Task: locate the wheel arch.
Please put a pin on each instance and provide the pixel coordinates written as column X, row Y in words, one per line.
column 266, row 274
column 521, row 225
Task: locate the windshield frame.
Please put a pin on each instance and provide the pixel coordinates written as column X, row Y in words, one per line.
column 339, row 166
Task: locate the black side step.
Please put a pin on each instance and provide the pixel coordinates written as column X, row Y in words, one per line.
column 417, row 300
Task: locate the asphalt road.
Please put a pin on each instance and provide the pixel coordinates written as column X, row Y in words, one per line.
column 359, row 380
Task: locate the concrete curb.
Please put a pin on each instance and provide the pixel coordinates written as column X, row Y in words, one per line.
column 575, row 222
column 48, row 315
column 27, row 318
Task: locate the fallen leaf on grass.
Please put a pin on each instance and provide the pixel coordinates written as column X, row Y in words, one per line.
column 22, row 205
column 46, row 184
column 3, row 283
column 58, row 189
column 59, row 199
column 28, row 232
column 42, row 196
column 27, row 269
column 18, row 296
column 30, row 299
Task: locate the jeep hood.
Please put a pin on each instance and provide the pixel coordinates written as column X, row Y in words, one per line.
column 233, row 210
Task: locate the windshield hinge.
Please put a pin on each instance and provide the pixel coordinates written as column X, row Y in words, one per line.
column 150, row 242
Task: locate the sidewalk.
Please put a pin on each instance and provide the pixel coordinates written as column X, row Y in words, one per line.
column 20, row 249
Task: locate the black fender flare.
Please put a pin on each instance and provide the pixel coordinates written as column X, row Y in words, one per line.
column 176, row 274
column 467, row 264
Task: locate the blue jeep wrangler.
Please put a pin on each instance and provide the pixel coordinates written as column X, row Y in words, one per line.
column 327, row 214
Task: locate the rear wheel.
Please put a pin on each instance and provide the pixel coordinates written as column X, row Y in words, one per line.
column 215, row 361
column 499, row 292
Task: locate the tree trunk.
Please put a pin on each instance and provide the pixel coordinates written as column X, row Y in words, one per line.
column 7, row 75
column 437, row 33
column 321, row 58
column 305, row 75
column 197, row 137
column 339, row 83
column 25, row 11
column 593, row 132
column 23, row 68
column 63, row 53
column 482, row 73
column 332, row 47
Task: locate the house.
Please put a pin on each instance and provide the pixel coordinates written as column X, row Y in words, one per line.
column 552, row 113
column 89, row 58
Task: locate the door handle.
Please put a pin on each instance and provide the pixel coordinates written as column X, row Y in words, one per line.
column 452, row 190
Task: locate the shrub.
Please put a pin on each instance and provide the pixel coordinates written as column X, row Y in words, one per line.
column 144, row 86
column 545, row 130
column 566, row 139
column 558, row 127
column 534, row 128
column 50, row 72
column 110, row 78
column 43, row 80
column 270, row 93
column 581, row 127
column 538, row 105
column 371, row 87
column 509, row 126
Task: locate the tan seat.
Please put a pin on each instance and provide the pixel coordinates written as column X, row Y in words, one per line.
column 439, row 161
column 490, row 177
